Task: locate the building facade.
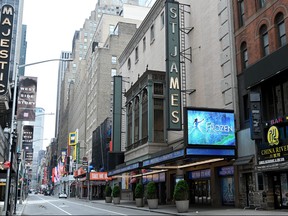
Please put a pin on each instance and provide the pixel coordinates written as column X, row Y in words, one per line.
column 261, row 44
column 168, row 82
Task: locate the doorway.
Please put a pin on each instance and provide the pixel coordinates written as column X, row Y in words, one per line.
column 277, row 191
column 200, row 192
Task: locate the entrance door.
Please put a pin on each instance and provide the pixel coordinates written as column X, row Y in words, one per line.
column 200, row 192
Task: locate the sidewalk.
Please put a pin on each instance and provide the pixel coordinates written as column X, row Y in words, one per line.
column 203, row 210
column 20, row 207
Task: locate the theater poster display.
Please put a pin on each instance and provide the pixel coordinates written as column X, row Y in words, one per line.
column 209, row 131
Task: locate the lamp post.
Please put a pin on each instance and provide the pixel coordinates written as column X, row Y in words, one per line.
column 12, row 132
column 17, row 177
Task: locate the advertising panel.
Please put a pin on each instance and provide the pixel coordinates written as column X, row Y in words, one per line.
column 210, row 127
column 209, row 132
column 26, row 101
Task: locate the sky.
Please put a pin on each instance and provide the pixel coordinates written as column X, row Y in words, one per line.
column 50, row 29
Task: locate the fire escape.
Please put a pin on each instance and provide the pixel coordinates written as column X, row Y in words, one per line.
column 185, row 53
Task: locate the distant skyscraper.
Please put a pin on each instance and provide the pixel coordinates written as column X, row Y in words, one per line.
column 23, row 48
column 61, row 70
column 37, row 141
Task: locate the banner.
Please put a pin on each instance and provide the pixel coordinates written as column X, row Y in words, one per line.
column 27, row 137
column 26, row 101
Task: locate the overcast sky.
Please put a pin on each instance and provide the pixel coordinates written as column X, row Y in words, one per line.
column 50, row 28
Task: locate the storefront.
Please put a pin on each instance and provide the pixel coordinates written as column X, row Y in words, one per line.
column 97, row 184
column 273, row 163
column 81, row 183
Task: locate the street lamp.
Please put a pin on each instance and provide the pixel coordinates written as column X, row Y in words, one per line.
column 12, row 128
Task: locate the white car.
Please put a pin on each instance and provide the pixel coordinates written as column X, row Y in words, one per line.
column 63, row 195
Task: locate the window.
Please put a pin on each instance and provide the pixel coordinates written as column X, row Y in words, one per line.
column 144, row 44
column 113, row 72
column 264, row 40
column 152, row 33
column 158, row 89
column 275, row 102
column 136, row 120
column 114, row 60
column 244, row 55
column 262, row 3
column 136, row 55
column 162, row 20
column 129, row 64
column 279, row 21
column 111, row 29
column 241, row 12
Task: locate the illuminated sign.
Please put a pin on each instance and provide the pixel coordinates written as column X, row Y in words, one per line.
column 72, row 138
column 7, row 14
column 99, row 176
column 199, row 174
column 273, row 136
column 164, row 158
column 173, row 66
column 210, row 127
column 274, row 148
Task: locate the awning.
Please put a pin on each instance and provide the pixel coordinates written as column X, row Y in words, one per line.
column 127, row 168
column 243, row 160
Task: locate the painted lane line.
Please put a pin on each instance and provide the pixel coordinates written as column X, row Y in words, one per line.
column 55, row 206
column 117, row 213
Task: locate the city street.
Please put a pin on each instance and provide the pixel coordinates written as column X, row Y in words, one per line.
column 52, row 205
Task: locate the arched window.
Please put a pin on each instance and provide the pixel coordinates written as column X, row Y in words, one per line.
column 264, row 40
column 244, row 55
column 280, row 26
column 129, row 64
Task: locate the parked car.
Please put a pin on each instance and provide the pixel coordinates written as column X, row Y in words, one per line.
column 63, row 195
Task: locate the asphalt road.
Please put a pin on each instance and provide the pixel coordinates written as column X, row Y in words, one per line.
column 49, row 205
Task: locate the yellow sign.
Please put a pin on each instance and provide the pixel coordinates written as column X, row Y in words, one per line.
column 72, row 138
column 273, row 136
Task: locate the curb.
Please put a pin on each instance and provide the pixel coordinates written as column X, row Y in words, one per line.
column 139, row 208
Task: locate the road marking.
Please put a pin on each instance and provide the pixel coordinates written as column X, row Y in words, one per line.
column 98, row 208
column 55, row 206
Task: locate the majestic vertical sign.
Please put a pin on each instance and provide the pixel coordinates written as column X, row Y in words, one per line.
column 7, row 15
column 174, row 118
column 26, row 101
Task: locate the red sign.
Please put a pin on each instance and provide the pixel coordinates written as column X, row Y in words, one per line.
column 102, row 176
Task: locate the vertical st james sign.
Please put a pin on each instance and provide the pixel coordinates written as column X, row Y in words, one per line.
column 174, row 119
column 7, row 15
